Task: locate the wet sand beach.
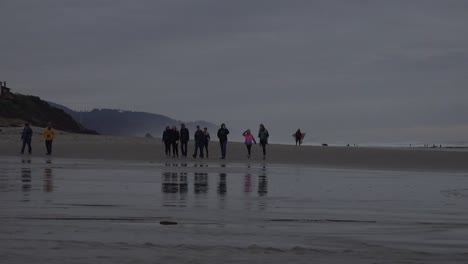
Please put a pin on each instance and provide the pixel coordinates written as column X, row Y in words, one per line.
column 57, row 210
column 102, row 199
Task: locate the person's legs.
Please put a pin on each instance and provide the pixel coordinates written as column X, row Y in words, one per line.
column 168, row 148
column 263, row 143
column 50, row 147
column 195, row 151
column 223, row 148
column 24, row 146
column 29, row 146
column 183, row 148
column 206, row 149
column 249, row 148
column 47, row 144
column 201, row 150
column 175, row 150
column 297, row 141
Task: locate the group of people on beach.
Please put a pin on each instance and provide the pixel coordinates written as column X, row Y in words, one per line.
column 172, row 136
column 48, row 134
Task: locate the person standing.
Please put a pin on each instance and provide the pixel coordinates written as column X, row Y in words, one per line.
column 249, row 139
column 166, row 138
column 222, row 136
column 263, row 135
column 175, row 141
column 206, row 140
column 26, row 138
column 199, row 142
column 298, row 136
column 184, row 139
column 49, row 136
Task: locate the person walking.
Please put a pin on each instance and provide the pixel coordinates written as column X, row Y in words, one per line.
column 175, row 142
column 222, row 136
column 26, row 138
column 249, row 140
column 184, row 139
column 166, row 138
column 199, row 142
column 49, row 136
column 263, row 135
column 206, row 140
column 298, row 136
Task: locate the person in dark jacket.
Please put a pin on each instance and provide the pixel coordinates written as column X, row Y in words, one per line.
column 175, row 142
column 199, row 142
column 206, row 140
column 26, row 138
column 263, row 135
column 222, row 136
column 184, row 139
column 166, row 138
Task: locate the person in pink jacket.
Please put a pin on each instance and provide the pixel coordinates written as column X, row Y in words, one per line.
column 249, row 140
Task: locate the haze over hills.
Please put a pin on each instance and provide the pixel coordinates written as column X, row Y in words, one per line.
column 129, row 123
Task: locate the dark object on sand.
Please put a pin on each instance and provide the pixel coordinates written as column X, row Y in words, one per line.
column 324, row 145
column 148, row 135
column 168, row 223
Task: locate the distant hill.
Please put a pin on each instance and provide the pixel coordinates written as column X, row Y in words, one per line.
column 17, row 109
column 129, row 123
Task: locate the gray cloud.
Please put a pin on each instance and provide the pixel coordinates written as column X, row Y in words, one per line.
column 342, row 70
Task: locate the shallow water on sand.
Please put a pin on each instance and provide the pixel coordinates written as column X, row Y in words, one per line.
column 75, row 211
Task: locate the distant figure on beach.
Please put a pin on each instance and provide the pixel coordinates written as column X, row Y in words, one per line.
column 184, row 139
column 249, row 140
column 199, row 143
column 49, row 136
column 263, row 135
column 222, row 136
column 175, row 141
column 206, row 140
column 166, row 138
column 26, row 137
column 299, row 136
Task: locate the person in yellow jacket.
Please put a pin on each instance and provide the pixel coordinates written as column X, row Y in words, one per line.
column 49, row 136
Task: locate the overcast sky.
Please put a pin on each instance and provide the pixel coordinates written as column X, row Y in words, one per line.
column 343, row 71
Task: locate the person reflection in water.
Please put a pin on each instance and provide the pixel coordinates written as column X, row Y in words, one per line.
column 26, row 179
column 247, row 183
column 175, row 188
column 222, row 185
column 262, row 185
column 48, row 179
column 170, row 182
column 201, row 183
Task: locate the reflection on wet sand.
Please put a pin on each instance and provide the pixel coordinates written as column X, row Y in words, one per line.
column 175, row 185
column 262, row 185
column 48, row 185
column 26, row 179
column 222, row 184
column 200, row 183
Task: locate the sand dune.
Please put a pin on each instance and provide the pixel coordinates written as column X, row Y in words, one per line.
column 69, row 145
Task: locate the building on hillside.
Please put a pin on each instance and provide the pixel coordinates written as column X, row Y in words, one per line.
column 5, row 92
